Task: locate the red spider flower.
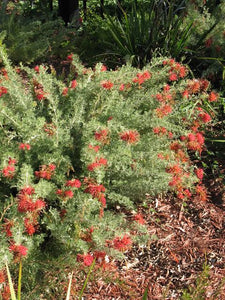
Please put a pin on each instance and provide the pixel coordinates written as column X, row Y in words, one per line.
column 173, row 77
column 103, row 68
column 12, row 161
column 37, row 69
column 204, row 117
column 9, row 171
column 98, row 163
column 95, row 148
column 194, row 86
column 185, row 94
column 3, row 90
column 139, row 219
column 87, row 259
column 45, row 172
column 70, row 57
column 142, row 77
column 130, row 136
column 29, row 226
column 107, row 84
column 73, row 84
column 19, row 250
column 2, row 276
column 102, row 136
column 65, row 91
column 163, row 110
column 74, row 183
column 122, row 244
column 24, row 146
column 213, row 97
column 199, row 173
column 68, row 194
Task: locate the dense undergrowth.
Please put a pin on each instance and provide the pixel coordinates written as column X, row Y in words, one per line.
column 80, row 143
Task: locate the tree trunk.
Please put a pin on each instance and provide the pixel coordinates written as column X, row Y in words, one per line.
column 68, row 9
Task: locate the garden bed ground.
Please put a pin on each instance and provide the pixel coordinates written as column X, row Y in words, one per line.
column 187, row 238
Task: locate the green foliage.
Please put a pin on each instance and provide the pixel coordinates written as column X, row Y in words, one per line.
column 73, row 150
column 30, row 39
column 198, row 292
column 136, row 36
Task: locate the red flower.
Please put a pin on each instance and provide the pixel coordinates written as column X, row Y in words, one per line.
column 204, row 84
column 102, row 136
column 40, row 94
column 8, row 224
column 131, row 136
column 163, row 110
column 39, row 204
column 122, row 87
column 18, row 250
column 87, row 259
column 2, row 277
column 142, row 77
column 98, row 163
column 30, row 229
column 200, row 138
column 185, row 94
column 70, row 57
column 139, row 218
column 45, row 172
column 204, row 117
column 3, row 90
column 12, row 161
column 73, row 183
column 107, row 84
column 68, row 194
column 73, row 84
column 36, row 68
column 24, row 146
column 122, row 244
column 95, row 148
column 199, row 173
column 65, row 91
column 8, row 171
column 103, row 68
column 213, row 97
column 173, row 77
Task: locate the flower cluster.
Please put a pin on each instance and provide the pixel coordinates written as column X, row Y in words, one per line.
column 3, row 90
column 130, row 136
column 97, row 163
column 26, row 203
column 45, row 172
column 122, row 243
column 18, row 250
column 107, row 84
column 102, row 136
column 23, row 146
column 9, row 170
column 96, row 190
column 176, row 70
column 142, row 77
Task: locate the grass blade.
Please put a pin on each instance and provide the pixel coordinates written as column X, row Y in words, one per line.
column 19, row 281
column 86, row 281
column 12, row 291
column 69, row 287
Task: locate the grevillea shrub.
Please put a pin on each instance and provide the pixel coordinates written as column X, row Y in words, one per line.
column 73, row 151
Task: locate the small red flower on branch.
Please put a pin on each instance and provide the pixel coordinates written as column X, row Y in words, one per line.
column 130, row 136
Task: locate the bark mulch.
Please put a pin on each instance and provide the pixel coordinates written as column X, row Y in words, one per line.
column 186, row 239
